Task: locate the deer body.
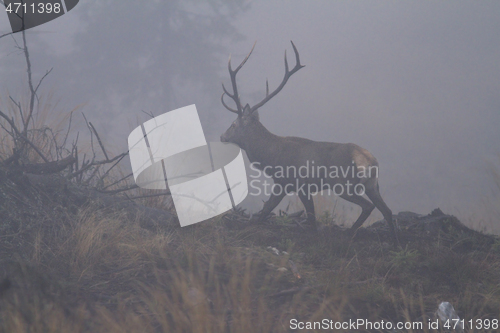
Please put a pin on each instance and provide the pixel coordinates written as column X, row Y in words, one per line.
column 269, row 151
column 324, row 165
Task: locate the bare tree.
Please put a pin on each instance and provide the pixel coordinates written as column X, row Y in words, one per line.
column 31, row 144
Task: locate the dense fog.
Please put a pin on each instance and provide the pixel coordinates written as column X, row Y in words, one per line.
column 416, row 83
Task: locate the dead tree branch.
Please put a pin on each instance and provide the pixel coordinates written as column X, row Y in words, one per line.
column 89, row 164
column 22, row 136
column 149, row 195
column 30, row 84
column 48, row 168
column 109, row 170
column 51, row 145
column 116, row 182
column 99, row 140
column 123, row 189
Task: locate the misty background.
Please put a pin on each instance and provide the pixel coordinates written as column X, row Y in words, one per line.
column 415, row 83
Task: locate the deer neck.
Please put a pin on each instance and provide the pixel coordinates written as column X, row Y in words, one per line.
column 261, row 145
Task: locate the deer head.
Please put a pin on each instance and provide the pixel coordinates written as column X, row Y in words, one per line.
column 242, row 127
column 247, row 123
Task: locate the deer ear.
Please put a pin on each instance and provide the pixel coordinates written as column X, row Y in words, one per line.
column 249, row 115
column 247, row 110
column 255, row 115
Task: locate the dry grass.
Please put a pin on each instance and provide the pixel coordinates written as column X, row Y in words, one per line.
column 98, row 272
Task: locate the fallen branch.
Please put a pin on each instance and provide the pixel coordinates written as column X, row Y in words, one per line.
column 48, row 168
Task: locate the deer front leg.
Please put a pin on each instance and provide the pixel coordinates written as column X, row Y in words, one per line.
column 269, row 205
column 308, row 203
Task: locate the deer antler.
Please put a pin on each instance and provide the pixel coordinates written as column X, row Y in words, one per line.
column 235, row 96
column 288, row 73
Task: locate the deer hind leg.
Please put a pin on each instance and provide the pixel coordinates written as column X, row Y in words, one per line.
column 308, row 203
column 366, row 209
column 373, row 193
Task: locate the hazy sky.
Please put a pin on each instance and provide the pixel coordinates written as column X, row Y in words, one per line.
column 416, row 83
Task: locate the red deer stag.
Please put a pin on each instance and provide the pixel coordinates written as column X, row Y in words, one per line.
column 343, row 165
